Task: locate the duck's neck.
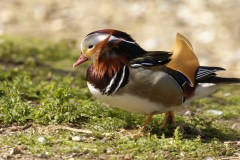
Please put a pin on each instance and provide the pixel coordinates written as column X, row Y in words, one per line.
column 110, row 81
column 99, row 81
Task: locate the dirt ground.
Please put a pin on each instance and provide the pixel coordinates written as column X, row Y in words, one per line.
column 212, row 26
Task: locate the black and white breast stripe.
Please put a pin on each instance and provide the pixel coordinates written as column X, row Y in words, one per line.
column 119, row 80
column 204, row 71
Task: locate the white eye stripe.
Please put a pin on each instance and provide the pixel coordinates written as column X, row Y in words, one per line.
column 94, row 39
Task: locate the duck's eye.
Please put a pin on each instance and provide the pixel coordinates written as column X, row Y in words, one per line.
column 90, row 46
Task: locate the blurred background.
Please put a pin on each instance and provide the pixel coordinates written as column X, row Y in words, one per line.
column 213, row 26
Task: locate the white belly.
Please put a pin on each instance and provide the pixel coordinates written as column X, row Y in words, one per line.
column 143, row 106
column 131, row 103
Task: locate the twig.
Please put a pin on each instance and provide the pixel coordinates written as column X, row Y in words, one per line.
column 73, row 129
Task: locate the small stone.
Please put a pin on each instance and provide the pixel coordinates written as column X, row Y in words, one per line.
column 128, row 156
column 103, row 140
column 188, row 113
column 76, row 138
column 214, row 112
column 79, row 139
column 43, row 155
column 17, row 156
column 109, row 150
column 41, row 139
column 14, row 151
column 209, row 158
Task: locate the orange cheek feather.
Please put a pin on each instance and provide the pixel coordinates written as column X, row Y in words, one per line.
column 108, row 66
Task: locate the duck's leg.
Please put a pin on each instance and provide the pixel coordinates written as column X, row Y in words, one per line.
column 148, row 119
column 169, row 118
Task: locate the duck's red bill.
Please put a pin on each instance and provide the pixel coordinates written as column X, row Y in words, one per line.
column 80, row 60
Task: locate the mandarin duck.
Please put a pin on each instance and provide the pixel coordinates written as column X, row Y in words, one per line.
column 124, row 75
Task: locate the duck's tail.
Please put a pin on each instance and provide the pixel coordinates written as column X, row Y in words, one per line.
column 220, row 80
column 207, row 74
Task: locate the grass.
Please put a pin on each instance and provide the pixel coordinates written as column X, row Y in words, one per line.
column 41, row 96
